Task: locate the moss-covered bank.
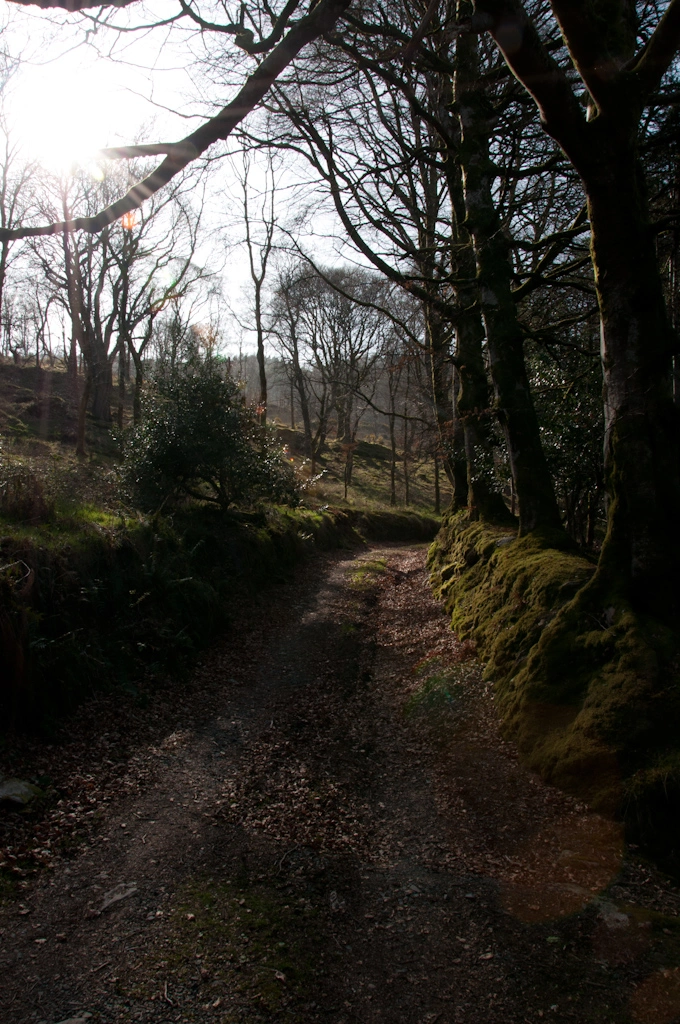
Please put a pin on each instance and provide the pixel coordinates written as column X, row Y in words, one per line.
column 93, row 601
column 587, row 688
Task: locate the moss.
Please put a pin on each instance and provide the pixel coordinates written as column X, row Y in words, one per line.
column 110, row 599
column 586, row 687
column 244, row 938
column 365, row 575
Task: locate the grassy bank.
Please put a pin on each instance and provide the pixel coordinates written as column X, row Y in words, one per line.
column 586, row 688
column 91, row 600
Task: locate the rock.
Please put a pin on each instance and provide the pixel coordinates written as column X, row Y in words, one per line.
column 612, row 917
column 121, row 892
column 18, row 792
column 78, row 1019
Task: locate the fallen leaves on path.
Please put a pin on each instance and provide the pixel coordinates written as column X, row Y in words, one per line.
column 323, row 824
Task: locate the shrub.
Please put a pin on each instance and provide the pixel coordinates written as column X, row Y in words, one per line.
column 199, row 440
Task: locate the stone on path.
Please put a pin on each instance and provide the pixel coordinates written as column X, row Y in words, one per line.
column 19, row 792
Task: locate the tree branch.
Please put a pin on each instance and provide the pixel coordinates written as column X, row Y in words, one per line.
column 650, row 66
column 530, row 62
column 72, row 5
column 323, row 17
column 245, row 37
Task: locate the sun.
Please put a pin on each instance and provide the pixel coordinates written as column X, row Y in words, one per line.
column 63, row 112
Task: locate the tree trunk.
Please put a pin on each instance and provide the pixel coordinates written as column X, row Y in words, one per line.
column 393, row 453
column 437, row 491
column 407, row 495
column 121, row 384
column 139, row 385
column 262, row 372
column 101, row 385
column 642, row 422
column 82, row 416
column 457, row 457
column 73, row 358
column 439, row 353
column 474, row 413
column 514, row 405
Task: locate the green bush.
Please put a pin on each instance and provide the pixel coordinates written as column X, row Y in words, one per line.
column 198, row 440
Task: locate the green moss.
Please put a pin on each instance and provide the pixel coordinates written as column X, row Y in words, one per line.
column 246, row 938
column 586, row 687
column 110, row 599
column 366, row 573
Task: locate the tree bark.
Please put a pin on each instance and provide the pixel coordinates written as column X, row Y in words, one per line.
column 456, row 452
column 640, row 557
column 101, row 383
column 514, row 404
column 82, row 416
column 642, row 422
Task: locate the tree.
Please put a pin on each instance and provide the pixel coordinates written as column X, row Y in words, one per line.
column 281, row 45
column 113, row 285
column 16, row 197
column 258, row 267
column 619, row 62
column 198, row 440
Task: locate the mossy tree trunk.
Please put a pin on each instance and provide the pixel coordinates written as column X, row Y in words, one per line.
column 640, row 557
column 473, row 400
column 514, row 404
column 642, row 455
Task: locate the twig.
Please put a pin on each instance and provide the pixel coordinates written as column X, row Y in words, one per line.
column 286, row 854
column 166, row 996
column 7, row 1005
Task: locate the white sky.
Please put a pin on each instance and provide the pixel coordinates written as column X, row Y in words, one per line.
column 67, row 100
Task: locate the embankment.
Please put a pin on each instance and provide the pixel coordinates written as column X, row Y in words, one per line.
column 587, row 688
column 86, row 604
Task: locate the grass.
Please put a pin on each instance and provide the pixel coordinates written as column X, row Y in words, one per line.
column 439, row 689
column 367, row 573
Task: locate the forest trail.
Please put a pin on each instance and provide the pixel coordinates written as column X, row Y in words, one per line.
column 325, row 826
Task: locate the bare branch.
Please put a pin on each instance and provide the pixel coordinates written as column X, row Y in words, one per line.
column 529, row 60
column 72, row 5
column 245, row 37
column 218, row 128
column 650, row 66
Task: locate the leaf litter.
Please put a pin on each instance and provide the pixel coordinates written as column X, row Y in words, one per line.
column 324, row 823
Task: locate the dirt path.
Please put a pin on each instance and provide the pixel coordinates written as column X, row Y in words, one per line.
column 325, row 826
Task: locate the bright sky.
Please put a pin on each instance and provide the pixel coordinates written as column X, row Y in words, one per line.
column 66, row 102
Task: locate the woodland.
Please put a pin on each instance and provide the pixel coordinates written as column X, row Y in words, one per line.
column 499, row 345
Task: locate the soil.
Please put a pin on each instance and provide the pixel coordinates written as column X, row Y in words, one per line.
column 322, row 825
